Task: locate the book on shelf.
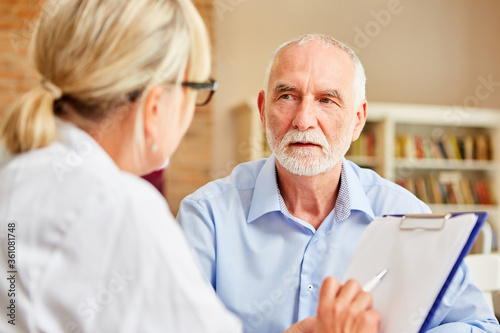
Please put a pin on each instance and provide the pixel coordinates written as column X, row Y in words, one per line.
column 419, row 149
column 467, row 147
column 468, row 195
column 428, row 149
column 435, row 151
column 437, row 191
column 421, row 189
column 364, row 146
column 450, row 188
column 451, row 197
column 453, row 147
column 482, row 147
column 483, row 192
column 451, row 180
column 448, row 147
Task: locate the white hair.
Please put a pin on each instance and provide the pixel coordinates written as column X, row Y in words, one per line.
column 359, row 72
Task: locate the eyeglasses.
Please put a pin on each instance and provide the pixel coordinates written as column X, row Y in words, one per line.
column 205, row 90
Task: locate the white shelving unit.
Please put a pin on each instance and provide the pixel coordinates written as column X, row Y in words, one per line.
column 387, row 121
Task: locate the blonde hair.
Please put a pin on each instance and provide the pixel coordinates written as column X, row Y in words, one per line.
column 95, row 55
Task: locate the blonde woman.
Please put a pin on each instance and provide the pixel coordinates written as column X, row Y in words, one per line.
column 86, row 244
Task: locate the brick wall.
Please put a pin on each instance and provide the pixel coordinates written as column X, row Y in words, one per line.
column 16, row 73
column 190, row 165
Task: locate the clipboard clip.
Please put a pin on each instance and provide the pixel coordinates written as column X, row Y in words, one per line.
column 434, row 221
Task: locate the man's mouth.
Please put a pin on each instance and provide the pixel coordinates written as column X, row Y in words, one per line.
column 305, row 144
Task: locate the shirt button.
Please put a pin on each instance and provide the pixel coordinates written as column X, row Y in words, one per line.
column 310, row 287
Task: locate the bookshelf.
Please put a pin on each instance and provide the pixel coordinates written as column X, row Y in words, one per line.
column 449, row 156
column 446, row 155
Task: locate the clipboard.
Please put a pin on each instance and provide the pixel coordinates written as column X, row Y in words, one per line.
column 422, row 253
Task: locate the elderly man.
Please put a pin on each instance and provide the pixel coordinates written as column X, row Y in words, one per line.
column 270, row 233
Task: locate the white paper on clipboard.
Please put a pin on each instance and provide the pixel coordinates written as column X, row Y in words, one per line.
column 419, row 261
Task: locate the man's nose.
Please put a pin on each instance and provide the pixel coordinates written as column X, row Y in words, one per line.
column 305, row 116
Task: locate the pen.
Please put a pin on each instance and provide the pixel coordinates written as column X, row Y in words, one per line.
column 368, row 287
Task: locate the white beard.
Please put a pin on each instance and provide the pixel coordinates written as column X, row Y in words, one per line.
column 308, row 161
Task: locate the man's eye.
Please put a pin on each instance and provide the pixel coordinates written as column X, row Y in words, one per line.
column 326, row 100
column 286, row 96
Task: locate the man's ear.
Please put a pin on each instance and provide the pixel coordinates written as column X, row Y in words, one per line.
column 360, row 120
column 151, row 112
column 261, row 103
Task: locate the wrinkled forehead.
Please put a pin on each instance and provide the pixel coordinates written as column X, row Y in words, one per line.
column 316, row 61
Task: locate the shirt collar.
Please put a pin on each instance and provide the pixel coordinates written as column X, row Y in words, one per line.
column 357, row 196
column 343, row 203
column 265, row 196
column 266, row 193
column 82, row 147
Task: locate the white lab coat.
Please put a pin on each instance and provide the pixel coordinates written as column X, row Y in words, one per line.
column 95, row 249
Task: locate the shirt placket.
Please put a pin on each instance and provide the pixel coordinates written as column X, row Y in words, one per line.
column 310, row 282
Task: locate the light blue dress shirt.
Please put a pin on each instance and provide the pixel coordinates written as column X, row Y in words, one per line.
column 268, row 266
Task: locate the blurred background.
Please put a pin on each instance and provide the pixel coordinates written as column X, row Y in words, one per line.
column 423, row 52
column 426, row 52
